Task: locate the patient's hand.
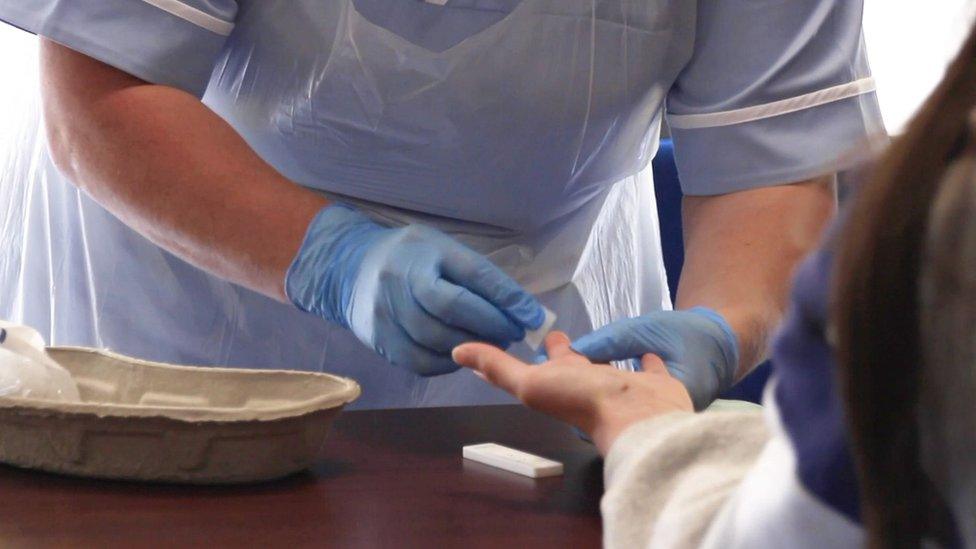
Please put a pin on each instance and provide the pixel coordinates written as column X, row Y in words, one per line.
column 597, row 398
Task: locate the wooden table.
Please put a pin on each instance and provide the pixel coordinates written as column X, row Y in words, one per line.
column 388, row 478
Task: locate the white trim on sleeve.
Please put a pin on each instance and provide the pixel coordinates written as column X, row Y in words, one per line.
column 776, row 108
column 193, row 15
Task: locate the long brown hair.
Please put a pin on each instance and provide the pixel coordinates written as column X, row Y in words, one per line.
column 876, row 314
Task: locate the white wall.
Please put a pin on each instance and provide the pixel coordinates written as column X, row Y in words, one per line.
column 909, row 46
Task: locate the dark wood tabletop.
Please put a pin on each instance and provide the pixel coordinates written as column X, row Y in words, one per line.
column 387, row 478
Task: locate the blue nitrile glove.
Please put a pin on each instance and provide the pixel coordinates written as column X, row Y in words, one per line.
column 697, row 346
column 412, row 294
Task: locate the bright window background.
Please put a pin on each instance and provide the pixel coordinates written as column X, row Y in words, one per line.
column 18, row 76
column 909, row 42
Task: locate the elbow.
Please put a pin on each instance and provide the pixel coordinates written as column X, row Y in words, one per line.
column 61, row 143
column 86, row 113
column 73, row 142
column 71, row 85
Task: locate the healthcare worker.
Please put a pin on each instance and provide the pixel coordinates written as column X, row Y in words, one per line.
column 401, row 176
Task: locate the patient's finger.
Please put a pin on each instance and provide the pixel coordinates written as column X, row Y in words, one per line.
column 499, row 367
column 557, row 345
column 652, row 364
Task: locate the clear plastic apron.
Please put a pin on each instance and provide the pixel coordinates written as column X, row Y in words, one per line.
column 528, row 138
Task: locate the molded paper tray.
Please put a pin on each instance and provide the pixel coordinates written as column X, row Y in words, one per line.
column 140, row 420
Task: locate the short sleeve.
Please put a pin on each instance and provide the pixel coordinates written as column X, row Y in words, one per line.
column 774, row 92
column 168, row 42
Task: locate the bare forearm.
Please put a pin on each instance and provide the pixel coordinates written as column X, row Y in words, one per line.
column 741, row 250
column 171, row 169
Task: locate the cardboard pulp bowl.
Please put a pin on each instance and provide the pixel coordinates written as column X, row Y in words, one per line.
column 156, row 422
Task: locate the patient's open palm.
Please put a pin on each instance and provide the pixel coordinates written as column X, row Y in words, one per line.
column 597, row 398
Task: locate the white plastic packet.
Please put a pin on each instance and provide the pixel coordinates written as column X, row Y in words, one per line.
column 27, row 371
column 535, row 338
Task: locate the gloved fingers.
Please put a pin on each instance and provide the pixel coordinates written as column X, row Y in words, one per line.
column 495, row 365
column 621, row 340
column 409, row 355
column 397, row 347
column 430, row 332
column 458, row 307
column 474, row 272
column 558, row 345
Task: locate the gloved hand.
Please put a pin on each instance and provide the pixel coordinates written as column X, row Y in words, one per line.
column 697, row 346
column 412, row 294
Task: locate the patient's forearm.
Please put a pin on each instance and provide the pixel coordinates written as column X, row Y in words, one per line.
column 741, row 250
column 170, row 168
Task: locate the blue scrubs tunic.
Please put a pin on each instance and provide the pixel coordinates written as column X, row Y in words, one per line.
column 523, row 128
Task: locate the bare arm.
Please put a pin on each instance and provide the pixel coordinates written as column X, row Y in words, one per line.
column 741, row 249
column 170, row 168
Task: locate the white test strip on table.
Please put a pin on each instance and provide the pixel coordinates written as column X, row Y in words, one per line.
column 512, row 460
column 534, row 338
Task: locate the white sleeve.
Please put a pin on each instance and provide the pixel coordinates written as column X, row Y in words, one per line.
column 668, row 477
